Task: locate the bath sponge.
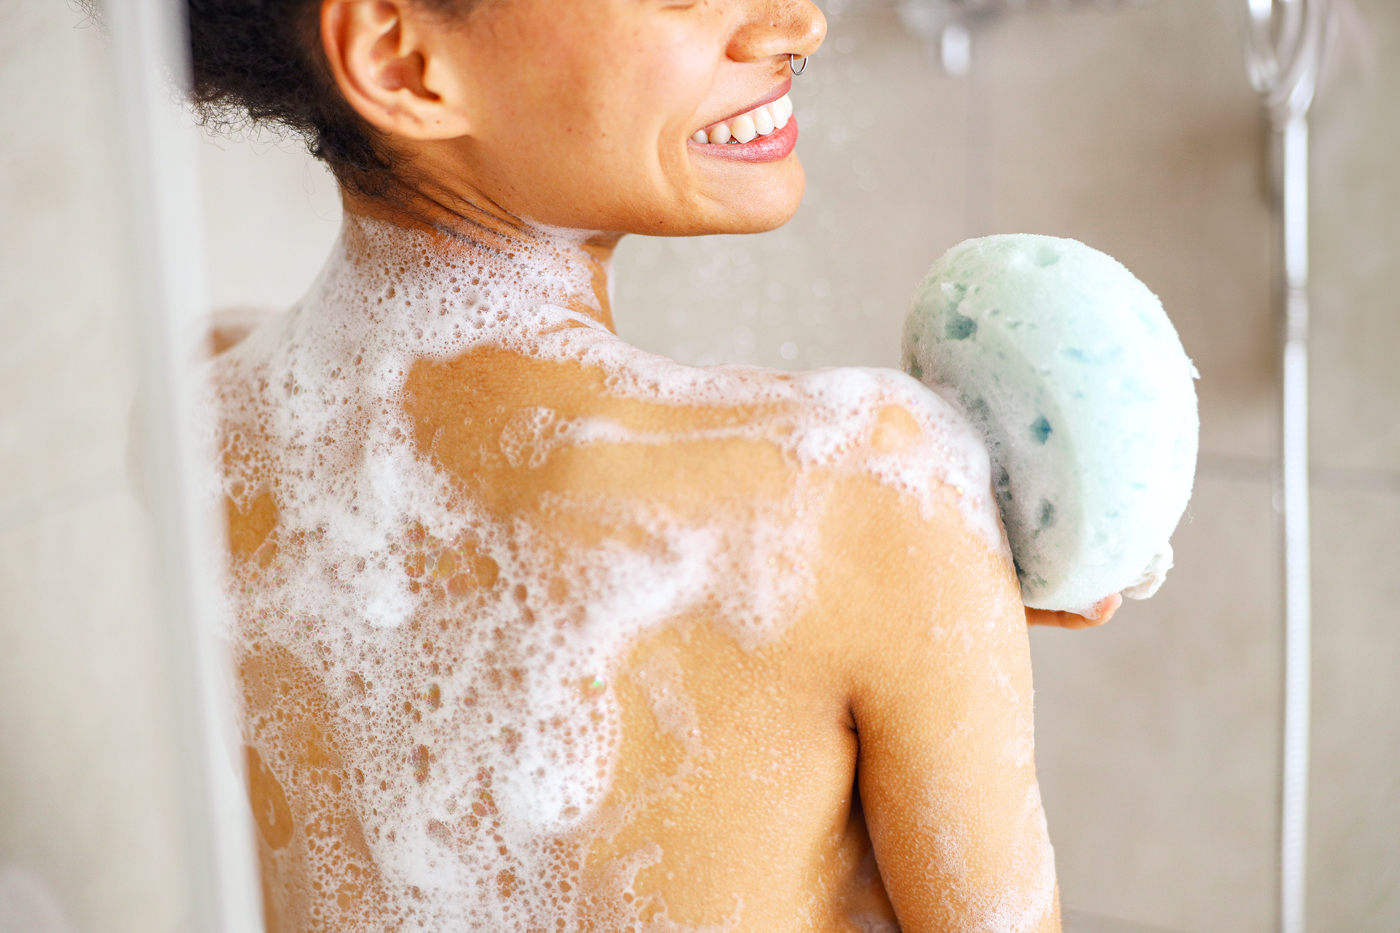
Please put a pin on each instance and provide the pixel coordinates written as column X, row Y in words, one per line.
column 1070, row 368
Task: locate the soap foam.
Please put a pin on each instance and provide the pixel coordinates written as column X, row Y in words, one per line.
column 1020, row 897
column 465, row 660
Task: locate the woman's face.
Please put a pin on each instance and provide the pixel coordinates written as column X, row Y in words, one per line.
column 585, row 113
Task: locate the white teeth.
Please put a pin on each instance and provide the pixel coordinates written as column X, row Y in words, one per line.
column 782, row 109
column 743, row 128
column 760, row 121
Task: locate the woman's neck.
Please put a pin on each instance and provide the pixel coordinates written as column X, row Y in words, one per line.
column 576, row 263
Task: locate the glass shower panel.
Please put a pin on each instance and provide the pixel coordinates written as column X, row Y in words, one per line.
column 91, row 817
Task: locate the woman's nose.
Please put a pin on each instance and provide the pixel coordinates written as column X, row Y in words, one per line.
column 772, row 28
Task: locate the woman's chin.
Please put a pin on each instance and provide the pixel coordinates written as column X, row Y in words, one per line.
column 738, row 222
column 762, row 224
column 764, row 196
column 753, row 199
column 746, row 205
column 749, row 221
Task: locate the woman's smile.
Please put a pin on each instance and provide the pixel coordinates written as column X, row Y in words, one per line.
column 778, row 144
column 762, row 132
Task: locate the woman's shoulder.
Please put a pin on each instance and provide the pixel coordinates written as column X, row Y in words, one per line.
column 877, row 424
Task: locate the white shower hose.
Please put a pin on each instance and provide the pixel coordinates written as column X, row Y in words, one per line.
column 1286, row 39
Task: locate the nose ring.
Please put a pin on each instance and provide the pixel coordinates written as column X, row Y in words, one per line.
column 792, row 64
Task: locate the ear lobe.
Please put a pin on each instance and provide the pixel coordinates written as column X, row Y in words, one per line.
column 382, row 65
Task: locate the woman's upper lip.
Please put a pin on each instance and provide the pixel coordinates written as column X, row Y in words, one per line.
column 783, row 87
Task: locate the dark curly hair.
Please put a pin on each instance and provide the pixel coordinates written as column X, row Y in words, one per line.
column 261, row 61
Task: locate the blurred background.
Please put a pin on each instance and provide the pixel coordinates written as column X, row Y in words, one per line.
column 1131, row 127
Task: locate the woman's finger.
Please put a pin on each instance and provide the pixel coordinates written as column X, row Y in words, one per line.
column 1103, row 611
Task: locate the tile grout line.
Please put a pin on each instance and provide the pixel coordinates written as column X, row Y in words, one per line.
column 1324, row 476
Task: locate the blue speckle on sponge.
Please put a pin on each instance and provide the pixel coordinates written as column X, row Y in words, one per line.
column 959, row 327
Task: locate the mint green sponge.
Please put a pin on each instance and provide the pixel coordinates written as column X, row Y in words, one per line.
column 1077, row 380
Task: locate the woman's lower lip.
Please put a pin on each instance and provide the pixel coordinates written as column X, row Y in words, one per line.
column 776, row 145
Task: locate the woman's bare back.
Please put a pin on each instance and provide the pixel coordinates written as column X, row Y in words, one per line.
column 540, row 632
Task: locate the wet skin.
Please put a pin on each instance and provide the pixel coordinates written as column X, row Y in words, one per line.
column 875, row 691
column 873, row 759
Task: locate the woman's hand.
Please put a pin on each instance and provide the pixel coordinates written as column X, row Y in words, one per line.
column 1103, row 611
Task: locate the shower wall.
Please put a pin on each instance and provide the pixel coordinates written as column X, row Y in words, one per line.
column 1131, row 129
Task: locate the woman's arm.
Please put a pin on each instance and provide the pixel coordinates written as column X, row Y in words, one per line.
column 941, row 697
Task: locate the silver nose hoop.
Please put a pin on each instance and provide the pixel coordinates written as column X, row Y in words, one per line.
column 792, row 64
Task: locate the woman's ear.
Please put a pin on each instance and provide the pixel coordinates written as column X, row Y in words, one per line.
column 392, row 67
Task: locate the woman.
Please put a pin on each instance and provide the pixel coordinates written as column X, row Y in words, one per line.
column 538, row 631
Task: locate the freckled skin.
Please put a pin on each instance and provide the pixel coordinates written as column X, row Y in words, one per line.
column 870, row 763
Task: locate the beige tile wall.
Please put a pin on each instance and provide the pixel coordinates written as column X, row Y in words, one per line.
column 89, row 802
column 1355, row 822
column 266, row 256
column 1356, row 226
column 1355, row 873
